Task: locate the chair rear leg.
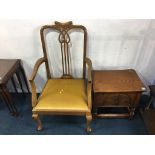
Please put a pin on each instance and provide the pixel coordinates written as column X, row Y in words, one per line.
column 39, row 124
column 88, row 119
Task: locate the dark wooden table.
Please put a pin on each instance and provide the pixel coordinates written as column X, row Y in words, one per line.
column 8, row 69
column 116, row 89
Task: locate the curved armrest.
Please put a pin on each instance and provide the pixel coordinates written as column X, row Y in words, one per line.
column 89, row 85
column 33, row 86
column 89, row 63
column 36, row 67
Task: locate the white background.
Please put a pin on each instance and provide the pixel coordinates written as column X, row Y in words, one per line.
column 112, row 44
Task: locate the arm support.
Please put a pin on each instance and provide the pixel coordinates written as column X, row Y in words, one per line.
column 33, row 87
column 36, row 67
column 89, row 63
column 89, row 84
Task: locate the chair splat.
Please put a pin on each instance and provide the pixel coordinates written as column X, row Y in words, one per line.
column 64, row 40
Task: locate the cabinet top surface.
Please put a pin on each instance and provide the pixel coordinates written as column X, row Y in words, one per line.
column 117, row 81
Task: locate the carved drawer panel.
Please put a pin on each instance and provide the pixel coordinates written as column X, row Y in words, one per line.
column 106, row 99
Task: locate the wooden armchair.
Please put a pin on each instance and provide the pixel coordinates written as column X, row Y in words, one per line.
column 66, row 95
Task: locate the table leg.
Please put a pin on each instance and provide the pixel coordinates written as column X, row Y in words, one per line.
column 20, row 81
column 149, row 103
column 132, row 112
column 14, row 85
column 94, row 111
column 94, row 107
column 9, row 100
column 4, row 99
column 24, row 76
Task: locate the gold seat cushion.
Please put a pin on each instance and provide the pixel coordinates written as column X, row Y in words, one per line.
column 62, row 95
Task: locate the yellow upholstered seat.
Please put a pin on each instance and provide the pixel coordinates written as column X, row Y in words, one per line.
column 63, row 95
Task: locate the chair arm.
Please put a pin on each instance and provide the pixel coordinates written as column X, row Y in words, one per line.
column 32, row 83
column 89, row 84
column 89, row 63
column 36, row 67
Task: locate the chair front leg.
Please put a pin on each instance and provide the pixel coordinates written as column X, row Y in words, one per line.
column 88, row 119
column 36, row 117
column 34, row 93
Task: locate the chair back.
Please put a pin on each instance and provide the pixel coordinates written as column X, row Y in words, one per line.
column 64, row 31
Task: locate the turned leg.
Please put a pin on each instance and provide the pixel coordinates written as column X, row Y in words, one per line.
column 88, row 119
column 36, row 117
column 132, row 112
column 95, row 112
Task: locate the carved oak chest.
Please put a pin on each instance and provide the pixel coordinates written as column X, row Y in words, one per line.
column 116, row 92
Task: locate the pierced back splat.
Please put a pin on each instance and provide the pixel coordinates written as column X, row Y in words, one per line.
column 64, row 40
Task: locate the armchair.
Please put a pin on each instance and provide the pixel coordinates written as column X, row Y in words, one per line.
column 66, row 95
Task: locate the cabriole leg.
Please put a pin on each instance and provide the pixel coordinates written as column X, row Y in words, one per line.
column 39, row 124
column 88, row 119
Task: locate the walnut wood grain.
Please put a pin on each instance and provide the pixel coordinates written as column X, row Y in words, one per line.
column 117, row 81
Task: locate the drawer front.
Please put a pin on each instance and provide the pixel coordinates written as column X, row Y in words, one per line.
column 115, row 99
